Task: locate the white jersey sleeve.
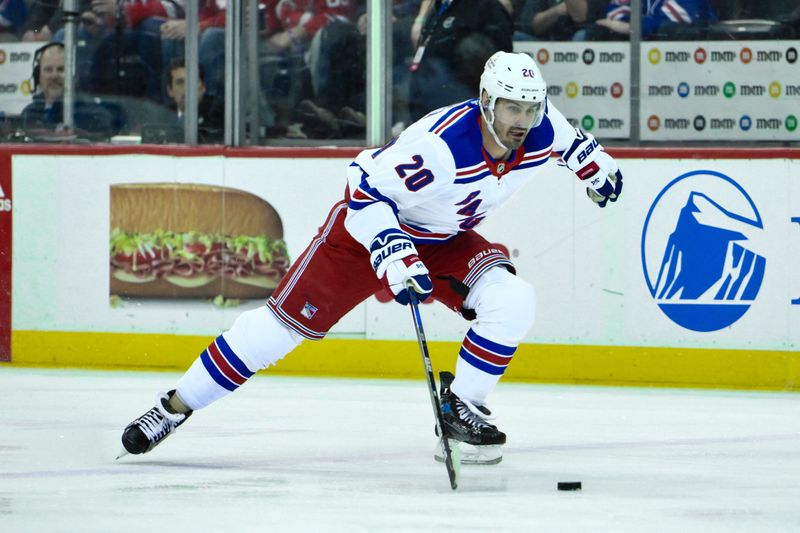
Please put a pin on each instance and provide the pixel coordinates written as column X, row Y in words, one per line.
column 384, row 182
column 580, row 151
column 564, row 133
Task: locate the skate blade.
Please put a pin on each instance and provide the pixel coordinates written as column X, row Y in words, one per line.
column 471, row 455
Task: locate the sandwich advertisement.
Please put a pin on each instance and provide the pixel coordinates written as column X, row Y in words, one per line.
column 161, row 244
column 188, row 240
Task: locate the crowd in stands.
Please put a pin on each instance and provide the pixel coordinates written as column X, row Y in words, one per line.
column 312, row 53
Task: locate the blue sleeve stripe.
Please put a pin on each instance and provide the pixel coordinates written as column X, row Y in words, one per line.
column 368, row 189
column 574, row 146
column 357, row 205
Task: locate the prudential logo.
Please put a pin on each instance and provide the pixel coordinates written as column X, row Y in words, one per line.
column 700, row 251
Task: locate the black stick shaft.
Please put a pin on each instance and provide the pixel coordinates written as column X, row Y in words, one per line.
column 435, row 403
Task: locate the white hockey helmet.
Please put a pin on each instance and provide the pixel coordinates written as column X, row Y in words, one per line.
column 513, row 77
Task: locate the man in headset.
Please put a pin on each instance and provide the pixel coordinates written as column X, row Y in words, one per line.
column 45, row 114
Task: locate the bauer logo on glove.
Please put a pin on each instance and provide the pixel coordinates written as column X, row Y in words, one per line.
column 394, row 258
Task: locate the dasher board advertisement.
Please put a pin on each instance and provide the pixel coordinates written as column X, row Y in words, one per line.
column 720, row 90
column 188, row 240
column 697, row 253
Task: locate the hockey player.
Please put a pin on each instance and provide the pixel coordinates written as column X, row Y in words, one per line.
column 408, row 219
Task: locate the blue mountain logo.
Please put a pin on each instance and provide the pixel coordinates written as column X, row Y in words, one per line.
column 700, row 257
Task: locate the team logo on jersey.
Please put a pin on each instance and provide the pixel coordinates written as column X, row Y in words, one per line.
column 700, row 252
column 308, row 311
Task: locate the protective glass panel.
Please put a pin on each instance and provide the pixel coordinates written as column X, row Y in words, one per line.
column 126, row 56
column 312, row 64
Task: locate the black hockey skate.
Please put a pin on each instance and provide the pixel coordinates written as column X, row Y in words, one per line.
column 480, row 442
column 465, row 421
column 147, row 431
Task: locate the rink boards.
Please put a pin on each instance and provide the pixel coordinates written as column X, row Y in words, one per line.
column 689, row 280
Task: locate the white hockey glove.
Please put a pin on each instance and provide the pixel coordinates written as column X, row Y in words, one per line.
column 610, row 190
column 394, row 259
column 587, row 159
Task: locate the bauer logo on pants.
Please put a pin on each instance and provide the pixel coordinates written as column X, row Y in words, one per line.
column 700, row 251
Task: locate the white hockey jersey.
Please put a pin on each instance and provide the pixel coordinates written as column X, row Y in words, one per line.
column 436, row 179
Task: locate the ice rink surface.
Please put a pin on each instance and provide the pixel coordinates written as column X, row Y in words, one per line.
column 292, row 454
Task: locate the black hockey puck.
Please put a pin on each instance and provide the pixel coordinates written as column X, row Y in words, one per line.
column 569, row 485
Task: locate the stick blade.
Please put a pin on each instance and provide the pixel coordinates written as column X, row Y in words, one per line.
column 455, row 459
column 452, row 461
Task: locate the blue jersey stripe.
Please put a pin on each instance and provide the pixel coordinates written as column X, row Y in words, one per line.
column 531, row 164
column 452, row 111
column 472, row 179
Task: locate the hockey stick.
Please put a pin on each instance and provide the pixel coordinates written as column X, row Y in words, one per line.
column 452, row 456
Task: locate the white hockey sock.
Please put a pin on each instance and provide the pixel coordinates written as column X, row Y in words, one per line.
column 504, row 305
column 481, row 363
column 255, row 341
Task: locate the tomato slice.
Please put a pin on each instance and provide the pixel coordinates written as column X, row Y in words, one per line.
column 196, row 248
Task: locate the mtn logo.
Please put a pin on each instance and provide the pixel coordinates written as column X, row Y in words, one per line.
column 701, row 251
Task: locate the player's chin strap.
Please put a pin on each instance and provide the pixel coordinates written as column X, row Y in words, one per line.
column 490, row 124
column 486, row 113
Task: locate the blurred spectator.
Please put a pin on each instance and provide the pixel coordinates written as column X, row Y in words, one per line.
column 13, row 14
column 105, row 51
column 46, row 112
column 210, row 110
column 37, row 26
column 47, row 23
column 559, row 20
column 664, row 19
column 293, row 23
column 456, row 39
column 212, row 48
column 156, row 30
column 338, row 65
column 290, row 28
